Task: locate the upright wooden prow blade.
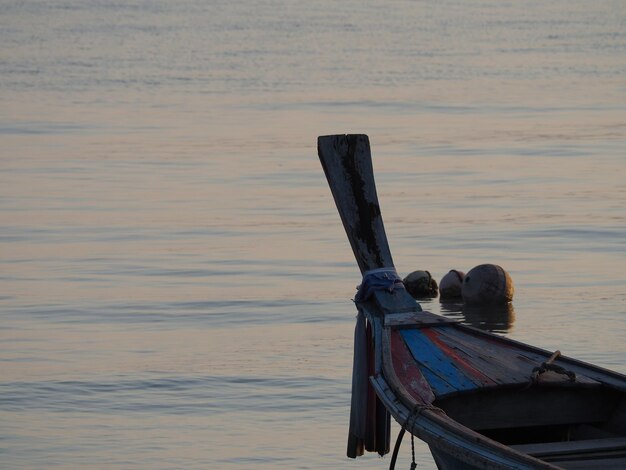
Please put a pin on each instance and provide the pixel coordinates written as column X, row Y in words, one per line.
column 347, row 163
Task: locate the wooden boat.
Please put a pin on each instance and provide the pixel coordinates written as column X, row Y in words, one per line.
column 479, row 400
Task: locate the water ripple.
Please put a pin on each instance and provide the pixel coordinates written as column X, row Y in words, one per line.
column 174, row 395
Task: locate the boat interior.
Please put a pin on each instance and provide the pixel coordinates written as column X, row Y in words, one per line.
column 564, row 425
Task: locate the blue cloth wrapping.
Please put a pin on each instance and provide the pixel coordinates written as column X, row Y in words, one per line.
column 377, row 279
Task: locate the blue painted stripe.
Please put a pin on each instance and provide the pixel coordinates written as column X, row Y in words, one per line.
column 443, row 375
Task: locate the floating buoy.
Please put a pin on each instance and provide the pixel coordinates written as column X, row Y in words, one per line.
column 487, row 284
column 421, row 285
column 451, row 285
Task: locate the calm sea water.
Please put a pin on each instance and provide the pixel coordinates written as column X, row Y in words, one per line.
column 175, row 283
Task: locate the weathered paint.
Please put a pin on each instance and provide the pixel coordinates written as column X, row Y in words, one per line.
column 443, row 374
column 347, row 163
column 408, row 372
column 496, row 359
column 455, row 354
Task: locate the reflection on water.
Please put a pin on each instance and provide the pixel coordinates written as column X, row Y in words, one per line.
column 493, row 318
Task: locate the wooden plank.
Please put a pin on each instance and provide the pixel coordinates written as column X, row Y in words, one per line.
column 443, row 375
column 496, row 360
column 504, row 361
column 588, row 373
column 407, row 372
column 459, row 359
column 618, row 463
column 547, row 449
column 415, row 319
column 347, row 164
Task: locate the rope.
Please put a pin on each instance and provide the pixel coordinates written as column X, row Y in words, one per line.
column 378, row 279
column 415, row 413
column 549, row 365
column 417, row 410
column 537, row 371
column 413, row 464
column 396, row 449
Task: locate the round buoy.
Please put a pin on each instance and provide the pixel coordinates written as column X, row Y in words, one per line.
column 421, row 285
column 487, row 284
column 450, row 285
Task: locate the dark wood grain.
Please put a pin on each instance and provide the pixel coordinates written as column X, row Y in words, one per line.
column 347, row 163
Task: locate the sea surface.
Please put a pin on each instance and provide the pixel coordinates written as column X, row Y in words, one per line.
column 175, row 283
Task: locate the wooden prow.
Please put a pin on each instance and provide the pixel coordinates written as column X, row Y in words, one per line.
column 347, row 163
